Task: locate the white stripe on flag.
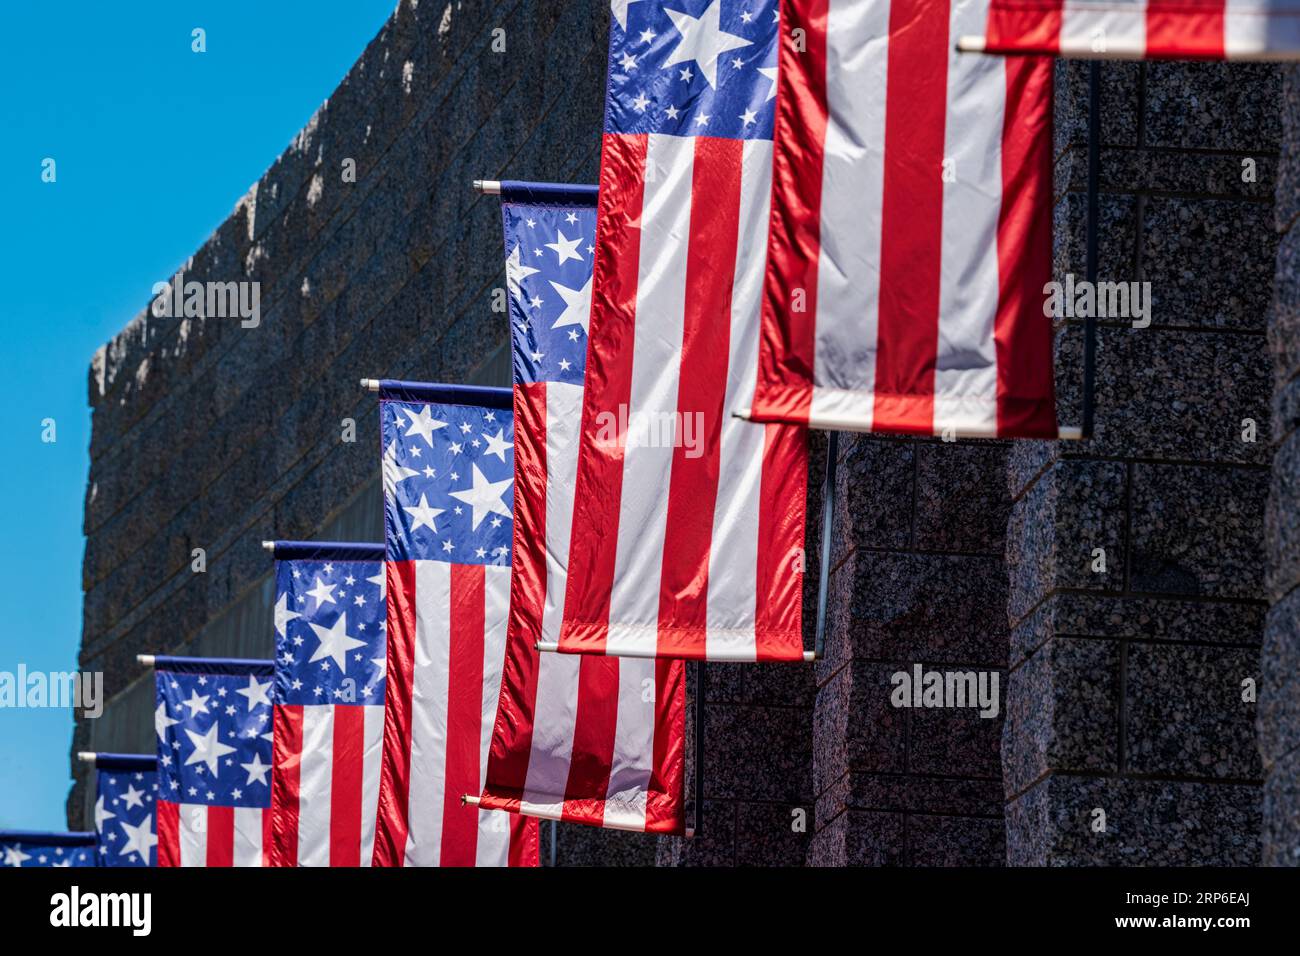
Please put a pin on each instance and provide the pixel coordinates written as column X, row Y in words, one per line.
column 966, row 368
column 493, row 847
column 193, row 826
column 1101, row 28
column 371, row 762
column 634, row 745
column 733, row 552
column 248, row 836
column 429, row 696
column 652, row 412
column 315, row 784
column 563, row 431
column 848, row 270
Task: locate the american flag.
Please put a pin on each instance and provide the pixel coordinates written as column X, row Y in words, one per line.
column 126, row 807
column 213, row 721
column 448, row 468
column 1146, row 29
column 329, row 702
column 688, row 522
column 910, row 238
column 32, row 848
column 587, row 739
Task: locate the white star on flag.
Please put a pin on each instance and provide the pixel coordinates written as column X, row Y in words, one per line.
column 485, row 496
column 283, row 615
column 207, row 749
column 423, row 424
column 565, row 249
column 197, row 704
column 702, row 41
column 497, row 444
column 424, row 515
column 323, row 593
column 577, row 305
column 161, row 721
column 14, row 856
column 517, row 272
column 139, row 839
column 102, row 813
column 133, row 797
column 335, row 642
column 257, row 770
column 255, row 693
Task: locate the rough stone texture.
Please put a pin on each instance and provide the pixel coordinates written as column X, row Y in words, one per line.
column 1279, row 701
column 918, row 578
column 1127, row 739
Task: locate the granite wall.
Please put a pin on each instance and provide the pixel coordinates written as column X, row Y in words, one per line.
column 1279, row 711
column 917, row 578
column 1130, row 735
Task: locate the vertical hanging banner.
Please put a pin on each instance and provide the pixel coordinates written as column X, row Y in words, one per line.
column 39, row 848
column 1152, row 30
column 586, row 739
column 213, row 721
column 688, row 528
column 910, row 241
column 448, row 469
column 329, row 702
column 126, row 809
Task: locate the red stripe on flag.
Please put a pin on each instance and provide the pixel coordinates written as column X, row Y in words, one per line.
column 916, row 108
column 701, row 390
column 395, row 771
column 665, row 801
column 287, row 761
column 464, row 714
column 169, row 833
column 345, row 785
column 787, row 353
column 1185, row 29
column 1022, row 334
column 599, row 486
column 1016, row 25
column 221, row 836
column 525, row 847
column 267, row 851
column 778, row 612
column 595, row 722
column 512, row 734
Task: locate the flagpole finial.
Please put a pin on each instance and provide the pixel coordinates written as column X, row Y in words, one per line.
column 144, row 660
column 487, row 187
column 86, row 756
column 971, row 44
column 370, row 384
column 268, row 545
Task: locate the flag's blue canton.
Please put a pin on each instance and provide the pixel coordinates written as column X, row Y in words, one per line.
column 448, row 482
column 214, row 738
column 329, row 632
column 126, row 817
column 692, row 68
column 549, row 251
column 24, row 854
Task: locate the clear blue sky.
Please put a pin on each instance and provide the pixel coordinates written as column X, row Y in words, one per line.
column 154, row 144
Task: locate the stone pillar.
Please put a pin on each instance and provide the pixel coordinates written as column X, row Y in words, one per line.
column 1279, row 710
column 918, row 578
column 1136, row 559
